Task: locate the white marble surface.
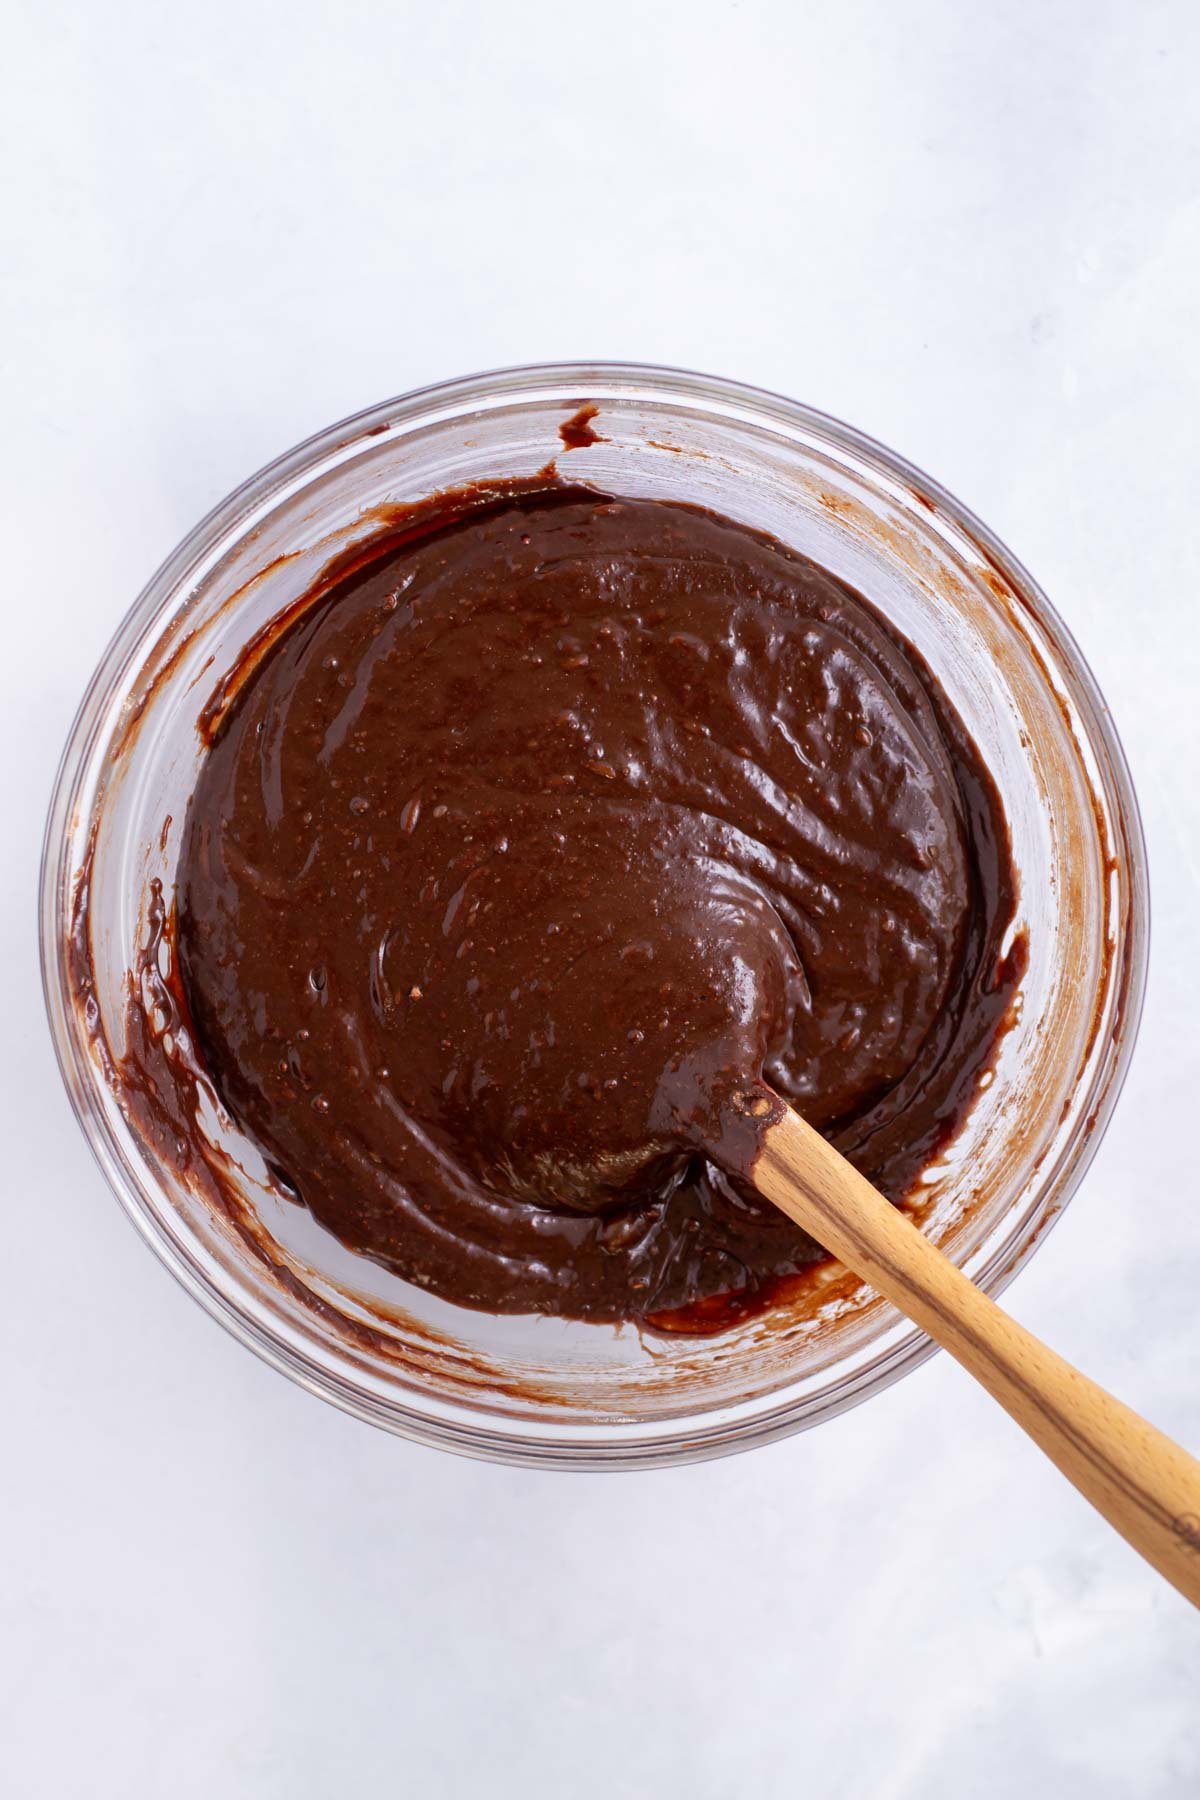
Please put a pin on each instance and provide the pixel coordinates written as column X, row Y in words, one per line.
column 973, row 231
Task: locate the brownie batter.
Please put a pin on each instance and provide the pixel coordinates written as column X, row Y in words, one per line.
column 530, row 833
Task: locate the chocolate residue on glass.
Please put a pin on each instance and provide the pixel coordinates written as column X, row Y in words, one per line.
column 577, row 433
column 530, row 828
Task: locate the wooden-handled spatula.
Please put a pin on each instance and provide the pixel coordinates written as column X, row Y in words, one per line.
column 1143, row 1484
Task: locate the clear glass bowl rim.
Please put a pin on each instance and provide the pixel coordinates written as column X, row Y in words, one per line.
column 682, row 1440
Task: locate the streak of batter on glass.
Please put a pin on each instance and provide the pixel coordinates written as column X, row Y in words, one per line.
column 531, row 832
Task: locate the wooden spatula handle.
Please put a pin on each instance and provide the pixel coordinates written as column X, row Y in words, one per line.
column 1145, row 1485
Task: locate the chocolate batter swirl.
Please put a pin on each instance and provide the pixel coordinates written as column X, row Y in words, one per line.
column 539, row 817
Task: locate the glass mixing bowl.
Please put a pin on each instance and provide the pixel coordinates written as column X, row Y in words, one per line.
column 548, row 1391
